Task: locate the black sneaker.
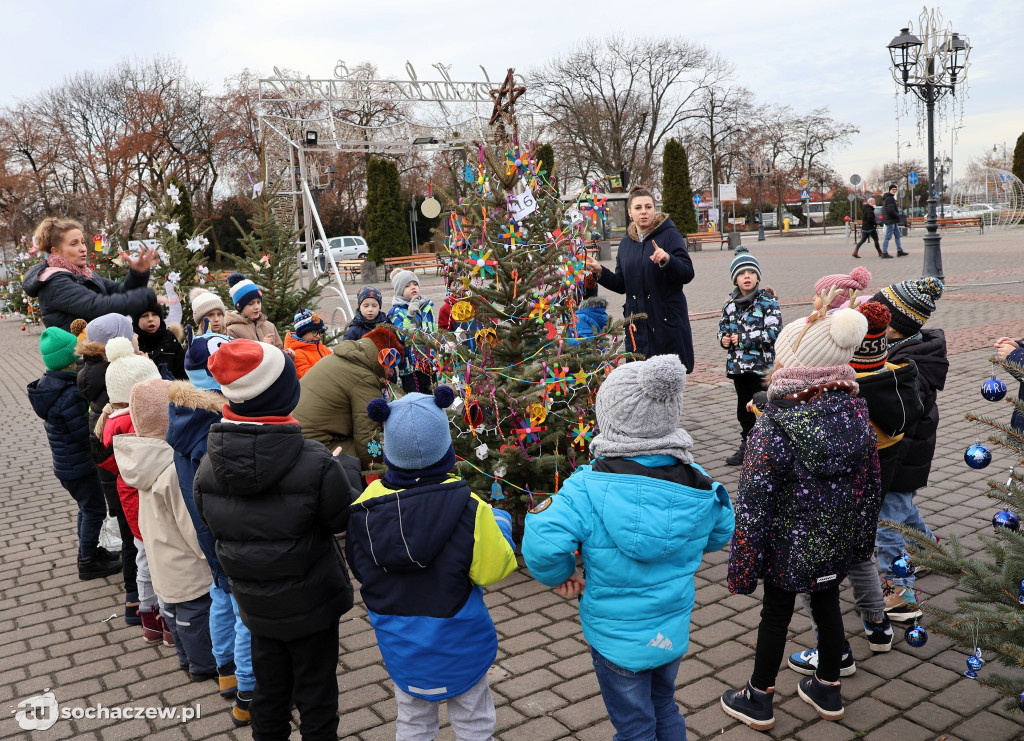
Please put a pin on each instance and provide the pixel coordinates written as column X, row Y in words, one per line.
column 902, row 254
column 202, row 676
column 879, row 635
column 751, row 707
column 108, row 555
column 806, row 662
column 736, row 459
column 827, row 699
column 97, row 567
column 885, row 256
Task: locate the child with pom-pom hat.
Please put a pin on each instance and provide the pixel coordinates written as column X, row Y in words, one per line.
column 247, row 321
column 807, row 507
column 645, row 514
column 422, row 545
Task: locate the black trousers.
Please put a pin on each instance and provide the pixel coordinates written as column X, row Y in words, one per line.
column 747, row 384
column 306, row 668
column 869, row 234
column 776, row 612
column 128, row 550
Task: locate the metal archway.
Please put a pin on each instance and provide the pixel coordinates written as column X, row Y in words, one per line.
column 994, row 195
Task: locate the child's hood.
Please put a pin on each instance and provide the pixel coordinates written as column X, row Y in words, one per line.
column 651, row 519
column 191, row 413
column 250, row 459
column 141, row 460
column 44, row 392
column 408, row 528
column 821, row 432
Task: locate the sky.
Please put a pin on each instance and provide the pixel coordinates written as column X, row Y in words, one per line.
column 805, row 55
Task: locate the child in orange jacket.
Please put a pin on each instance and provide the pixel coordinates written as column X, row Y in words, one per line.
column 306, row 341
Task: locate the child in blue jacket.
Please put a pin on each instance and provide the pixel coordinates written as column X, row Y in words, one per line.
column 422, row 545
column 642, row 516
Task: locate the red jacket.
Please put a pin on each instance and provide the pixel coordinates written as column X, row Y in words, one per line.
column 120, row 423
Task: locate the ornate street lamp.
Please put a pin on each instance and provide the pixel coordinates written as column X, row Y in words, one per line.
column 930, row 66
column 759, row 167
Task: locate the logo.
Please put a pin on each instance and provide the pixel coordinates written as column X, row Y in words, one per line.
column 830, row 577
column 37, row 713
column 660, row 641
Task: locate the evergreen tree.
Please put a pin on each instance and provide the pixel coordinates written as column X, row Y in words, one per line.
column 676, row 193
column 839, row 207
column 386, row 232
column 13, row 299
column 990, row 615
column 269, row 259
column 181, row 246
column 546, row 161
column 526, row 385
column 1018, row 158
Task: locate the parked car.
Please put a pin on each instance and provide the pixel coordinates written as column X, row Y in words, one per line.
column 342, row 248
column 986, row 211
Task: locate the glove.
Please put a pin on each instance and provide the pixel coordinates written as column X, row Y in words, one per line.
column 417, row 303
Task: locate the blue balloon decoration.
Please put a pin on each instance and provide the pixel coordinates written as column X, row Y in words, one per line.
column 974, row 663
column 977, row 456
column 902, row 567
column 1006, row 518
column 993, row 389
column 916, row 636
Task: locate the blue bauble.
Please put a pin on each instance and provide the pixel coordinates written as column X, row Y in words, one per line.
column 977, row 456
column 1020, row 593
column 902, row 567
column 1020, row 700
column 993, row 389
column 974, row 663
column 1006, row 518
column 916, row 636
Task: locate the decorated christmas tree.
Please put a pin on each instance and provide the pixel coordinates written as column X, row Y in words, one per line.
column 13, row 299
column 989, row 619
column 525, row 364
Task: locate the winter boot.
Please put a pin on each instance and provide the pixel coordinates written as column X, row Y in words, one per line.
column 166, row 635
column 240, row 714
column 736, row 459
column 152, row 632
column 226, row 680
column 98, row 566
column 751, row 707
column 826, row 698
column 131, row 609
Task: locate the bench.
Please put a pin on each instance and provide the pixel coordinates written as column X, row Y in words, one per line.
column 696, row 240
column 950, row 222
column 413, row 263
column 346, row 268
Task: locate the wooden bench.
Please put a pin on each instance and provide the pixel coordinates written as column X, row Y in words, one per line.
column 696, row 240
column 346, row 268
column 951, row 222
column 413, row 263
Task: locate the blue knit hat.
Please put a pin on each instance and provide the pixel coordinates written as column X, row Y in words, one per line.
column 198, row 355
column 305, row 321
column 743, row 261
column 416, row 429
column 369, row 292
column 242, row 290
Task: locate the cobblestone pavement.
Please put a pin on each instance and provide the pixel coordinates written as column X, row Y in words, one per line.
column 54, row 635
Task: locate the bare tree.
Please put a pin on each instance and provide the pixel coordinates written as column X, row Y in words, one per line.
column 813, row 135
column 714, row 132
column 611, row 104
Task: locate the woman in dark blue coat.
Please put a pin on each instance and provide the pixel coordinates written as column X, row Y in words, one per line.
column 651, row 269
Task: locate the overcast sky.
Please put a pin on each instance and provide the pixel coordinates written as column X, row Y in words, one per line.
column 804, row 54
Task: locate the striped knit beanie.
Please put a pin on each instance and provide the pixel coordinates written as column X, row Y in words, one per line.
column 911, row 303
column 242, row 290
column 306, row 321
column 857, row 280
column 743, row 261
column 258, row 379
column 871, row 354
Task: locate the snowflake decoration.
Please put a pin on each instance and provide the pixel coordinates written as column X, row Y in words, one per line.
column 153, row 228
column 482, row 263
column 512, row 233
column 540, row 308
column 173, row 227
column 174, row 194
column 374, row 449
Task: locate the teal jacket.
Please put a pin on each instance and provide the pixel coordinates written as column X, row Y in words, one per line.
column 642, row 526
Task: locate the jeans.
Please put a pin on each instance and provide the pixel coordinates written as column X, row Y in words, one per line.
column 304, row 667
column 891, row 230
column 867, row 592
column 889, row 544
column 92, row 508
column 471, row 714
column 641, row 705
column 776, row 612
column 231, row 639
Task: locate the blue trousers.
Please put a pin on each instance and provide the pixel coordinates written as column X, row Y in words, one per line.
column 641, row 705
column 897, row 507
column 189, row 623
column 92, row 508
column 891, row 230
column 231, row 639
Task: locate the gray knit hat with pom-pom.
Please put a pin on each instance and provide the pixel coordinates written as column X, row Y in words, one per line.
column 638, row 408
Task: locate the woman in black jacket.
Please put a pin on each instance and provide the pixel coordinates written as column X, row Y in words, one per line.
column 67, row 289
column 651, row 268
column 868, row 227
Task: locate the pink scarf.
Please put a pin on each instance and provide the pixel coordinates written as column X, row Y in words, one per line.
column 787, row 381
column 62, row 263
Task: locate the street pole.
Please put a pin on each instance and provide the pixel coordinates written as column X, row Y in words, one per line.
column 932, row 238
column 760, row 212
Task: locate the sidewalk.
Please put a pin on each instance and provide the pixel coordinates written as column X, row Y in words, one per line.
column 54, row 636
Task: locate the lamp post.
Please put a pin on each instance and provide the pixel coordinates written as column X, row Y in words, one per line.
column 930, row 67
column 943, row 166
column 759, row 167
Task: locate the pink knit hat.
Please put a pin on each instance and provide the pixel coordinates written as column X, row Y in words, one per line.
column 857, row 280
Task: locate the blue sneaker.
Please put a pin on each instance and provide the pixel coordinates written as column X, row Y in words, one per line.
column 879, row 635
column 806, row 662
column 751, row 707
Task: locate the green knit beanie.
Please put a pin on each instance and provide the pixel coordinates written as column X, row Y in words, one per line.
column 57, row 348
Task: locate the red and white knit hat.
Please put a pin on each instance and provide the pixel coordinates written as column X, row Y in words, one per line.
column 258, row 379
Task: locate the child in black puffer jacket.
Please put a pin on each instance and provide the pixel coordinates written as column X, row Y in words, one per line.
column 161, row 342
column 57, row 400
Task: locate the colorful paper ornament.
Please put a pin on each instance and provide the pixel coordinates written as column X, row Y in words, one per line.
column 496, row 492
column 389, row 357
column 487, row 336
column 463, row 311
column 537, row 414
column 474, row 414
column 993, row 389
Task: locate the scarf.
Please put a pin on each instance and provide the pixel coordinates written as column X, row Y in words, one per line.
column 59, row 262
column 609, row 444
column 403, row 478
column 742, row 302
column 786, row 381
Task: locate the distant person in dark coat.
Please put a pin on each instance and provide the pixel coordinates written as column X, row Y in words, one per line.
column 68, row 289
column 891, row 219
column 868, row 227
column 651, row 268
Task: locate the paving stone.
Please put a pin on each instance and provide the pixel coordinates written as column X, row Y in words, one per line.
column 987, row 726
column 538, row 729
column 542, row 702
column 522, row 663
column 867, row 713
column 523, row 685
column 966, row 697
